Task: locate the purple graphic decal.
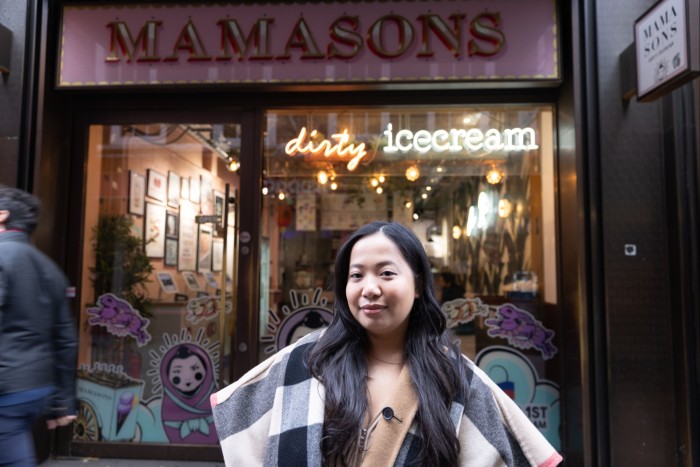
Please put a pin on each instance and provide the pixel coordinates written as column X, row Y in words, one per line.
column 521, row 330
column 119, row 318
column 464, row 310
column 187, row 375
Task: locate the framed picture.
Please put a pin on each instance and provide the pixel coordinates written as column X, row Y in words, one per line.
column 166, row 281
column 204, row 249
column 137, row 193
column 154, row 230
column 191, row 281
column 211, row 280
column 170, row 258
column 217, row 255
column 185, row 188
column 187, row 248
column 171, row 225
column 206, row 196
column 194, row 189
column 219, row 204
column 173, row 189
column 157, row 184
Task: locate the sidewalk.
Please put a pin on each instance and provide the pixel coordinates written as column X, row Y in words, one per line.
column 95, row 462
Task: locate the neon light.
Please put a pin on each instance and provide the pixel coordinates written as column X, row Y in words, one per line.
column 459, row 139
column 303, row 145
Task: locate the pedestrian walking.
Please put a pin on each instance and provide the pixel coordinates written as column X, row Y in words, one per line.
column 38, row 343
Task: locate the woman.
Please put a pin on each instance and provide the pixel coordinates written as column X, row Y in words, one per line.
column 382, row 385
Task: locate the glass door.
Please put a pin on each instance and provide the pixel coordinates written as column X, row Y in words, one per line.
column 159, row 270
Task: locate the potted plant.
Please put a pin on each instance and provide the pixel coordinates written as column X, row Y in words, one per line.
column 121, row 265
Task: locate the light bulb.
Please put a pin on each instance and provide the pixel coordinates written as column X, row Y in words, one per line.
column 494, row 176
column 412, row 173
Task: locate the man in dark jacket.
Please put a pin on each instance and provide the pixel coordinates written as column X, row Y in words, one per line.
column 38, row 343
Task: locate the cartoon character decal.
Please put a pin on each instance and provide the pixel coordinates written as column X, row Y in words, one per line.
column 204, row 308
column 464, row 310
column 305, row 315
column 522, row 330
column 187, row 376
column 119, row 318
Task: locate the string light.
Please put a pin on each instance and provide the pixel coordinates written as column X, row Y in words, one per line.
column 334, row 186
column 322, row 177
column 412, row 173
column 380, row 190
column 265, row 191
column 382, row 179
column 494, row 176
column 233, row 165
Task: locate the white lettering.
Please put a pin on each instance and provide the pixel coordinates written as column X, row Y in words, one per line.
column 459, row 139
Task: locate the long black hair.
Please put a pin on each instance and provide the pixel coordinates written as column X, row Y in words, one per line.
column 338, row 360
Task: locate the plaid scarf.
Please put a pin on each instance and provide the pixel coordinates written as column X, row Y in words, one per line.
column 274, row 416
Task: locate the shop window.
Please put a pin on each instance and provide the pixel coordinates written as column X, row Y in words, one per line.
column 475, row 184
column 156, row 281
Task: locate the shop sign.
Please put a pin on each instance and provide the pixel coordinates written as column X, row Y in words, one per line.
column 453, row 140
column 376, row 42
column 667, row 47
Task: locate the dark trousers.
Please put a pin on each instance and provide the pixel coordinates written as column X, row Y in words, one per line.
column 16, row 444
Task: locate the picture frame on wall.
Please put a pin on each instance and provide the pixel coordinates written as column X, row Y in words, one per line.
column 171, row 225
column 206, row 195
column 173, row 189
column 191, row 281
column 167, row 282
column 217, row 255
column 187, row 237
column 219, row 204
column 211, row 280
column 154, row 230
column 170, row 254
column 137, row 193
column 195, row 189
column 157, row 185
column 204, row 249
column 185, row 188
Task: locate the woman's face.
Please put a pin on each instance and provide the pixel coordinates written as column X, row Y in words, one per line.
column 381, row 287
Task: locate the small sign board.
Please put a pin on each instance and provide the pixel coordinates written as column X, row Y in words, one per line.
column 666, row 47
column 207, row 219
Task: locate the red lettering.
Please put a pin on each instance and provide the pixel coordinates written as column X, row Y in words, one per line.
column 258, row 39
column 122, row 41
column 301, row 38
column 348, row 37
column 189, row 41
column 491, row 34
column 451, row 38
column 376, row 37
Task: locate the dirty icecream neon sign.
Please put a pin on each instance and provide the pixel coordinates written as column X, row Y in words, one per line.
column 451, row 140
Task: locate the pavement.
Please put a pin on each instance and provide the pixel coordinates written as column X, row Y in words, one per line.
column 101, row 462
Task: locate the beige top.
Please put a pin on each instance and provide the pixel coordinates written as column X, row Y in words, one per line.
column 379, row 442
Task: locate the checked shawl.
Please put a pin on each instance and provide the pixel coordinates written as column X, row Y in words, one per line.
column 273, row 416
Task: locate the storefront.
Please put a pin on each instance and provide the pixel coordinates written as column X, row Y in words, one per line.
column 220, row 155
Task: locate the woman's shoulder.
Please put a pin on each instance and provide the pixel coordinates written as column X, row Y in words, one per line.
column 263, row 369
